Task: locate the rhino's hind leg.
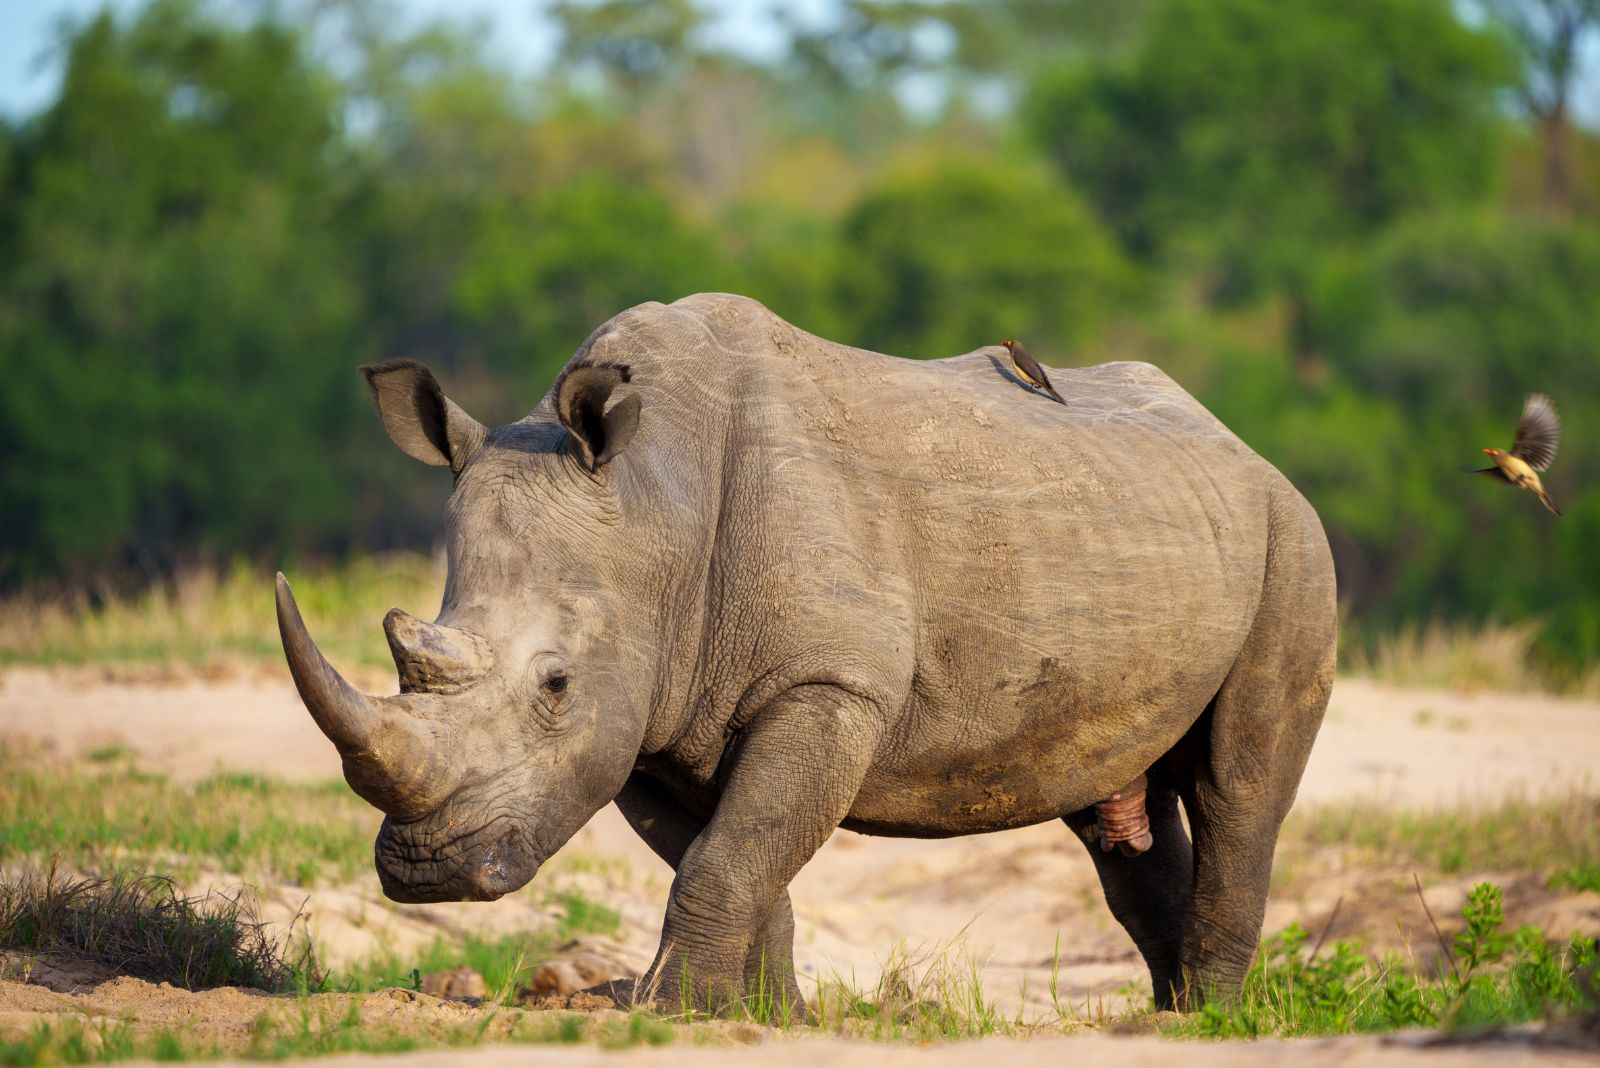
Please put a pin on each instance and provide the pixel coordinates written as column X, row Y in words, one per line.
column 1257, row 736
column 1148, row 892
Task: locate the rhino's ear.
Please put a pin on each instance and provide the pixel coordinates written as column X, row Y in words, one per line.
column 598, row 434
column 427, row 425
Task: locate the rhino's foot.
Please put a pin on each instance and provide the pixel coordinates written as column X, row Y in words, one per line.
column 1123, row 821
column 772, row 1001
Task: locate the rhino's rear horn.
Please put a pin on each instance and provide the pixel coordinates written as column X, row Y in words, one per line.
column 435, row 659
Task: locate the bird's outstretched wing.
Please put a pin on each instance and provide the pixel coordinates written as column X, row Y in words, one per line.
column 1492, row 472
column 1538, row 433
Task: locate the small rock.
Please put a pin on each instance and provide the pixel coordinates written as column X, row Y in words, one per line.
column 571, row 972
column 746, row 1033
column 462, row 982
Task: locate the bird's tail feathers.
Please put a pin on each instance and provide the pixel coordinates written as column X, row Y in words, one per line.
column 1054, row 395
column 1548, row 503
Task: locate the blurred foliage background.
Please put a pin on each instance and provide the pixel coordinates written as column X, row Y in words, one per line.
column 1358, row 232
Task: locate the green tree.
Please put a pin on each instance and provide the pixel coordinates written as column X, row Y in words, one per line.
column 545, row 270
column 962, row 255
column 1551, row 36
column 631, row 45
column 1448, row 323
column 176, row 291
column 1252, row 138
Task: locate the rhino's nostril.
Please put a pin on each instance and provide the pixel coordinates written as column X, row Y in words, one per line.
column 507, row 864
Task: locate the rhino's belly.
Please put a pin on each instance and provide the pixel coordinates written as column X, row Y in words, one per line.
column 990, row 756
column 985, row 795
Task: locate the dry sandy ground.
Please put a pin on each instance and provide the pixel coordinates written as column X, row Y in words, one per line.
column 1001, row 900
column 1085, row 1051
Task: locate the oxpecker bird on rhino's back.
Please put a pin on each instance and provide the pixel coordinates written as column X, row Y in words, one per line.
column 824, row 593
column 1029, row 371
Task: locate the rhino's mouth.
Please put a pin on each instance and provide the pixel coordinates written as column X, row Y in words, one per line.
column 482, row 866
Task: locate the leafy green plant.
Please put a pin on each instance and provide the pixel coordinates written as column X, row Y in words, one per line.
column 1494, row 978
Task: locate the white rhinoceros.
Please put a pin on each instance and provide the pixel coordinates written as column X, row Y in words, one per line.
column 753, row 586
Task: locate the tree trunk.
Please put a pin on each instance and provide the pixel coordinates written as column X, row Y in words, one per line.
column 1553, row 132
column 1308, row 363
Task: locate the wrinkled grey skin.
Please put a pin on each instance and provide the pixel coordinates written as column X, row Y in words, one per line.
column 793, row 586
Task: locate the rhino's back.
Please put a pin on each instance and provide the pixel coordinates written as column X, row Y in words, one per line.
column 1038, row 578
column 974, row 421
column 1078, row 569
column 956, row 476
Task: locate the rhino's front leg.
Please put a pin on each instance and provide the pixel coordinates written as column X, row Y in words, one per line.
column 793, row 777
column 668, row 829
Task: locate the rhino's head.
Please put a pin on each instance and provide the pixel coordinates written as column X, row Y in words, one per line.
column 523, row 705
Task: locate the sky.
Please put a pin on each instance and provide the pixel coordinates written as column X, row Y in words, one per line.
column 519, row 33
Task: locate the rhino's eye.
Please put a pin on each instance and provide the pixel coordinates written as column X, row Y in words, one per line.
column 556, row 683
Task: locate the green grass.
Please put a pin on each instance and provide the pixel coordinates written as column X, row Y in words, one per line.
column 505, row 962
column 209, row 618
column 1543, row 837
column 928, row 995
column 313, row 1031
column 1490, row 655
column 1492, row 979
column 581, row 916
column 1583, row 877
column 113, row 816
column 142, row 926
column 105, row 814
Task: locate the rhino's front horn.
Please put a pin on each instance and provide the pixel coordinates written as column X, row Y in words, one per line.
column 435, row 659
column 394, row 752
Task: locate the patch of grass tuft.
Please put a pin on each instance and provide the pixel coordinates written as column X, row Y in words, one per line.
column 1584, row 877
column 81, row 1042
column 581, row 916
column 639, row 1029
column 117, row 816
column 1491, row 655
column 505, row 962
column 1560, row 835
column 143, row 927
column 920, row 996
column 210, row 617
